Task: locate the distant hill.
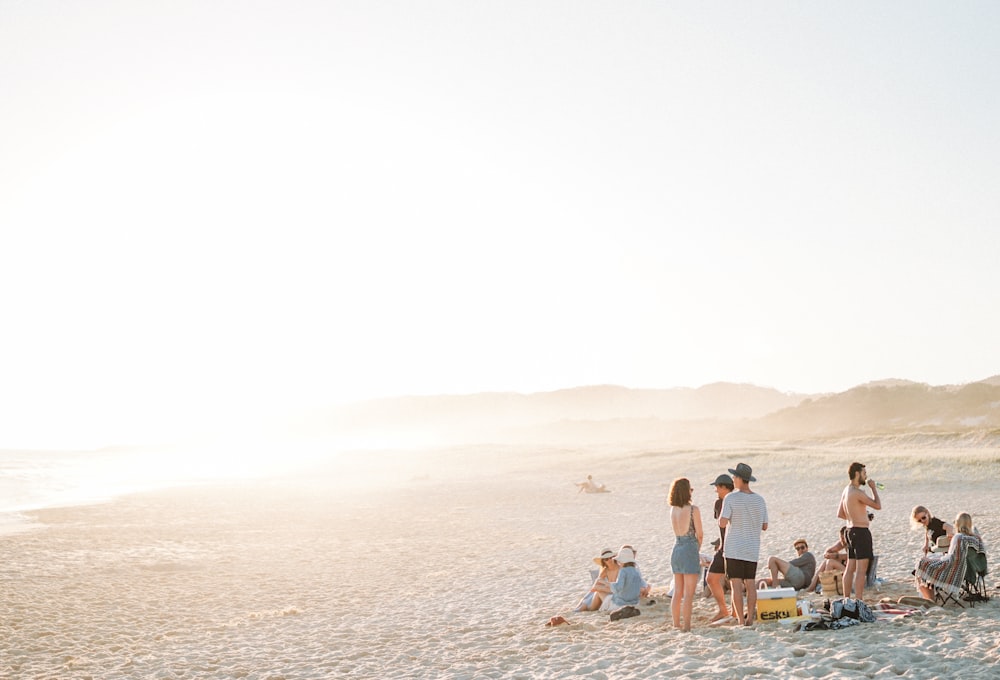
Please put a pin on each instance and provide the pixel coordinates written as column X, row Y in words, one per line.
column 891, row 409
column 507, row 414
column 720, row 412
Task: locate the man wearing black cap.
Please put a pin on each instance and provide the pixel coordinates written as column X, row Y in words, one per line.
column 717, row 571
column 744, row 516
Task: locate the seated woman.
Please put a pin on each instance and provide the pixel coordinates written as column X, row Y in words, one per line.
column 626, row 587
column 600, row 589
column 934, row 528
column 946, row 571
column 646, row 588
column 834, row 559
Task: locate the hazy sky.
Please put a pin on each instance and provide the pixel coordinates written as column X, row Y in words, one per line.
column 216, row 208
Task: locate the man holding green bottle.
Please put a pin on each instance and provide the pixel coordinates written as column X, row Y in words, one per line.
column 854, row 504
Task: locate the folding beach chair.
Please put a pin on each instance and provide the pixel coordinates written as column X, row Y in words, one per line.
column 974, row 583
column 943, row 597
column 871, row 577
column 951, row 581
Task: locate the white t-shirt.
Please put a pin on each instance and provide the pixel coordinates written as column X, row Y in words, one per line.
column 747, row 515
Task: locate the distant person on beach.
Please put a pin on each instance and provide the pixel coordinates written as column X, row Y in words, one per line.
column 626, row 588
column 590, row 486
column 685, row 562
column 744, row 517
column 854, row 504
column 795, row 573
column 717, row 569
column 933, row 527
column 834, row 558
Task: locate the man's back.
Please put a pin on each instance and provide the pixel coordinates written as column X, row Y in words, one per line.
column 747, row 514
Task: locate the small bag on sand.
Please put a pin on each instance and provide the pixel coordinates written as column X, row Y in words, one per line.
column 847, row 607
column 832, row 583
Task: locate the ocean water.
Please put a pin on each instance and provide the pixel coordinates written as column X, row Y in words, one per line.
column 32, row 480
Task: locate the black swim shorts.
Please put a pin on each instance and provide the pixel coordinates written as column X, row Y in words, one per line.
column 859, row 543
column 741, row 569
column 718, row 564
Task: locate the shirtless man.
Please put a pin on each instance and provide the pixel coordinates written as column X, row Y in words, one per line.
column 854, row 504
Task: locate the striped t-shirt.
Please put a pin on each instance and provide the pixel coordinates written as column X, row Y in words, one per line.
column 747, row 514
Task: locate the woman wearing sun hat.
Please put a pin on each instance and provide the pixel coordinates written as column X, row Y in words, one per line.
column 626, row 588
column 600, row 590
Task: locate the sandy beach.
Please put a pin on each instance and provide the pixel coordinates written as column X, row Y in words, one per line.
column 449, row 563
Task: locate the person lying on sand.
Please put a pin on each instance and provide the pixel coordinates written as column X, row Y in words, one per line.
column 590, row 486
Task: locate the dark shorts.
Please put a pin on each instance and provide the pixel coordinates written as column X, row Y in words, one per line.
column 718, row 565
column 859, row 543
column 741, row 569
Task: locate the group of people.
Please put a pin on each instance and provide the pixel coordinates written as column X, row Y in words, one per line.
column 944, row 551
column 619, row 582
column 742, row 518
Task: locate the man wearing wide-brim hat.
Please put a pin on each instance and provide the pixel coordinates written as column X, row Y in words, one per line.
column 744, row 517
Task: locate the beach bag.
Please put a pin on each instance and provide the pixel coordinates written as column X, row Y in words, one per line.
column 851, row 608
column 831, row 583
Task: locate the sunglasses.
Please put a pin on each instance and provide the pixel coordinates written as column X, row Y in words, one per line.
column 801, row 547
column 923, row 519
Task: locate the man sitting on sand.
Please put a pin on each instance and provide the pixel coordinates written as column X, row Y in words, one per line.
column 590, row 486
column 796, row 573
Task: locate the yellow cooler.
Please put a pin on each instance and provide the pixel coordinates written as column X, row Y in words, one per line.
column 774, row 604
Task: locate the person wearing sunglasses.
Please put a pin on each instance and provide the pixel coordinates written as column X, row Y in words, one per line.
column 795, row 573
column 933, row 527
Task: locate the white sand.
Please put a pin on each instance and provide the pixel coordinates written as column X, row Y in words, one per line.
column 454, row 571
